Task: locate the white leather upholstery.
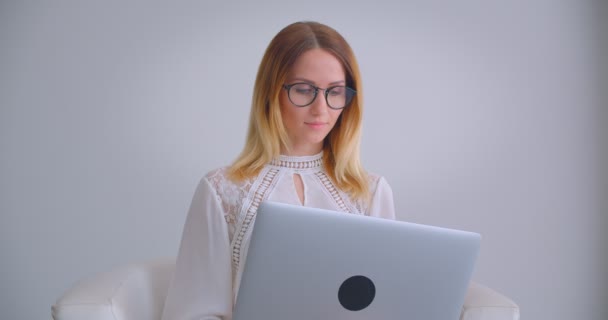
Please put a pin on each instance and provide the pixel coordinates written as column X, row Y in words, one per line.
column 138, row 291
column 483, row 303
column 133, row 292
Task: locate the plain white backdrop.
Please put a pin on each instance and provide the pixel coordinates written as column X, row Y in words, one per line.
column 482, row 116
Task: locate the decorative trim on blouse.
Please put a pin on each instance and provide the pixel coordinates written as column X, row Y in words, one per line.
column 333, row 191
column 261, row 193
column 306, row 162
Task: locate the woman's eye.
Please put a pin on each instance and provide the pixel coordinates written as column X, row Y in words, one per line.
column 336, row 91
column 304, row 90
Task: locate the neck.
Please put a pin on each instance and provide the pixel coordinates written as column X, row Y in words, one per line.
column 300, row 151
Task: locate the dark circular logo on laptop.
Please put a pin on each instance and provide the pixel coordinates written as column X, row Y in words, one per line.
column 356, row 293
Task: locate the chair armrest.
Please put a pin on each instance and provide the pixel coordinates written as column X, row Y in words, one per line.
column 483, row 303
column 136, row 291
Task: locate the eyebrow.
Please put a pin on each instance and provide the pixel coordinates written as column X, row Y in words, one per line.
column 312, row 82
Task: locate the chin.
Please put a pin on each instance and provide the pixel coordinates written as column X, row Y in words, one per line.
column 317, row 139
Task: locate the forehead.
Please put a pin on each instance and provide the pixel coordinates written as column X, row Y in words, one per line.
column 317, row 65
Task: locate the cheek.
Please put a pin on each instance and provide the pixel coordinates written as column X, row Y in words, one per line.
column 283, row 101
column 286, row 112
column 292, row 116
column 335, row 115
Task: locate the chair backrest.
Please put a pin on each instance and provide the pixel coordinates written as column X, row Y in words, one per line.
column 134, row 291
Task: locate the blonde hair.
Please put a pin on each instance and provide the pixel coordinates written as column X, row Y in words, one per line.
column 266, row 133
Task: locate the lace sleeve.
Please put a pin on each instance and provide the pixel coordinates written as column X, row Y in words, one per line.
column 229, row 194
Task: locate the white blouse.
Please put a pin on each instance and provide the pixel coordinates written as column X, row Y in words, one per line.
column 218, row 227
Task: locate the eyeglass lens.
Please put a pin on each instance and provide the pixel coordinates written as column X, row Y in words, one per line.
column 303, row 94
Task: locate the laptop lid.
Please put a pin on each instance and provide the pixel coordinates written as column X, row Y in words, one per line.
column 306, row 263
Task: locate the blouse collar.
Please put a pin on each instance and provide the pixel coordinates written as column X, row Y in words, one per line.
column 299, row 162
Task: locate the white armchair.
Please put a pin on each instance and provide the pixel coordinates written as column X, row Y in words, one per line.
column 138, row 291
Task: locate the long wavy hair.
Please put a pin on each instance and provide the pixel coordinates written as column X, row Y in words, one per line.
column 266, row 133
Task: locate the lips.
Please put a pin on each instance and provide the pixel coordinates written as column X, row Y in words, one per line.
column 316, row 124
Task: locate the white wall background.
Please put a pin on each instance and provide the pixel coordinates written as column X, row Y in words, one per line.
column 482, row 115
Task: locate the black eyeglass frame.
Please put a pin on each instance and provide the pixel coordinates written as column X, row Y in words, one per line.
column 325, row 93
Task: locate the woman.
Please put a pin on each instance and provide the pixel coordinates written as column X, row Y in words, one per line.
column 302, row 148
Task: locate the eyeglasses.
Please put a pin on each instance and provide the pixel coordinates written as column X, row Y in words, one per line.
column 302, row 94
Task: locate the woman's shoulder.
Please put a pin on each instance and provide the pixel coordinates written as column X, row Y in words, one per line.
column 375, row 180
column 227, row 189
column 380, row 204
column 217, row 175
column 376, row 184
column 219, row 179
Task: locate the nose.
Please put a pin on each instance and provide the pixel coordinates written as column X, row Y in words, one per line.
column 319, row 105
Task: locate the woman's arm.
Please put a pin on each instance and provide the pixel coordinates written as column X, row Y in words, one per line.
column 202, row 283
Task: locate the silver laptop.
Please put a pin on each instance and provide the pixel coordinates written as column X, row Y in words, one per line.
column 306, row 263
